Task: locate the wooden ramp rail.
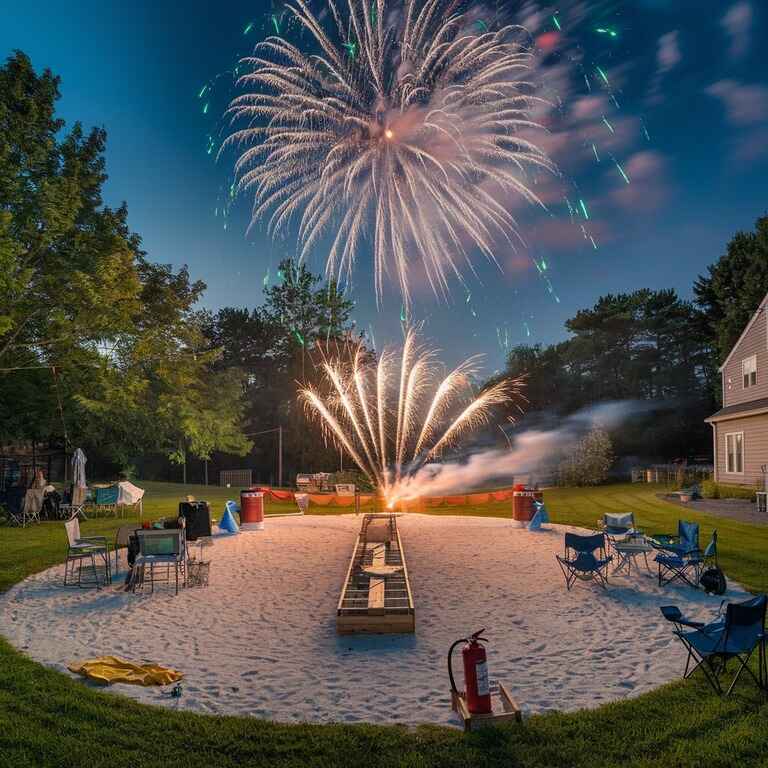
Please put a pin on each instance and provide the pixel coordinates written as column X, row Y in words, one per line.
column 376, row 596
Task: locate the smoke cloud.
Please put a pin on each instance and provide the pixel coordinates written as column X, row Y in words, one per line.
column 532, row 450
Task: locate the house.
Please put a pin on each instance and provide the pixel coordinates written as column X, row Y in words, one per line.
column 740, row 428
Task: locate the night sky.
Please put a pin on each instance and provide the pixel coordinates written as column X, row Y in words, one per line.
column 692, row 73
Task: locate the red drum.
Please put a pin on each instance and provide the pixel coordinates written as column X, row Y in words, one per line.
column 251, row 510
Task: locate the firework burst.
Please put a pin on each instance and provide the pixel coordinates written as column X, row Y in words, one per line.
column 406, row 125
column 395, row 414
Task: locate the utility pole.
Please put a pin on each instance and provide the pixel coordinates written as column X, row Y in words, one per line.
column 279, row 431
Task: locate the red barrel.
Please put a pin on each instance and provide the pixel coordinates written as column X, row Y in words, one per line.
column 251, row 510
column 523, row 500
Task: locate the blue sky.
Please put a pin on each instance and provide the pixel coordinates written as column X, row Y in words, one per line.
column 693, row 73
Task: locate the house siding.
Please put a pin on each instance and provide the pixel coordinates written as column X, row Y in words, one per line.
column 755, row 429
column 755, row 342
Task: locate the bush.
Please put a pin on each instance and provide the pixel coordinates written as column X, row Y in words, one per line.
column 590, row 460
column 712, row 490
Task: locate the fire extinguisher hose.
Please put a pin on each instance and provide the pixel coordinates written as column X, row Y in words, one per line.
column 472, row 638
column 450, row 665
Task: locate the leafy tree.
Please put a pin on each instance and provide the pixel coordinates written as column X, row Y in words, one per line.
column 646, row 345
column 97, row 343
column 590, row 461
column 731, row 291
column 279, row 346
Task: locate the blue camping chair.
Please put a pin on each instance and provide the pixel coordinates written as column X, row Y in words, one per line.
column 687, row 566
column 579, row 560
column 734, row 635
column 686, row 541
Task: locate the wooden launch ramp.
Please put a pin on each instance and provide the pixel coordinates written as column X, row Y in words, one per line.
column 376, row 597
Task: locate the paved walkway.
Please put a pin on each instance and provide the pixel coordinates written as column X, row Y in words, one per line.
column 735, row 509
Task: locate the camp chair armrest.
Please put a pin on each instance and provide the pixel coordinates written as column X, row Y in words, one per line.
column 93, row 538
column 672, row 613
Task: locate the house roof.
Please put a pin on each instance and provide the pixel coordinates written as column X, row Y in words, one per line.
column 763, row 306
column 753, row 408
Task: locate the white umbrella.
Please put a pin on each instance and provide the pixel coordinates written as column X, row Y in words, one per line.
column 78, row 468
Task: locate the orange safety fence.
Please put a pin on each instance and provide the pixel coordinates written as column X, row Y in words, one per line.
column 334, row 500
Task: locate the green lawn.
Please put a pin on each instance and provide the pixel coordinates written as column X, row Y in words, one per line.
column 46, row 719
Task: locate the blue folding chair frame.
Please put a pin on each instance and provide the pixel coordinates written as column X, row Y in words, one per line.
column 688, row 565
column 579, row 560
column 735, row 635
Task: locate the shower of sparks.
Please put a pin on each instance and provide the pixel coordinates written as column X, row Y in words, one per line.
column 584, row 209
column 602, row 75
column 393, row 415
column 248, row 28
column 608, row 125
column 609, row 32
column 594, row 149
column 414, row 144
column 202, row 92
column 556, row 22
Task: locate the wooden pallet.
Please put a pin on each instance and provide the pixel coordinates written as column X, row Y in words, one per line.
column 376, row 604
column 505, row 708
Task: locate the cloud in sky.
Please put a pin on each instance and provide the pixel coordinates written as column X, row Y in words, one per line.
column 668, row 55
column 746, row 108
column 744, row 104
column 737, row 23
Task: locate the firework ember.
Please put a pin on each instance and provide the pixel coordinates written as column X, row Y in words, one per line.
column 395, row 414
column 405, row 124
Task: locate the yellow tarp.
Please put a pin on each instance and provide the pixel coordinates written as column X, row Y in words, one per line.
column 111, row 669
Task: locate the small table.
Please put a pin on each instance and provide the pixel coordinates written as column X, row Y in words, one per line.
column 628, row 551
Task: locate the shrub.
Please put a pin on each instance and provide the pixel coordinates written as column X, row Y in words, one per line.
column 590, row 460
column 712, row 490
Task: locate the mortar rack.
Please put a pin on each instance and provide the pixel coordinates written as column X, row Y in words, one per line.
column 376, row 597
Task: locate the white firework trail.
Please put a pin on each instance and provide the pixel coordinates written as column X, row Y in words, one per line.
column 393, row 416
column 405, row 125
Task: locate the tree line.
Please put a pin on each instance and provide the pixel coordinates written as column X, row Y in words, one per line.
column 656, row 347
column 104, row 348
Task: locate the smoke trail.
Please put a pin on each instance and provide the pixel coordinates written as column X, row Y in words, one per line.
column 532, row 450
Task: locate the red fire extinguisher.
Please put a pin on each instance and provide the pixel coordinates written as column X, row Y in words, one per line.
column 476, row 683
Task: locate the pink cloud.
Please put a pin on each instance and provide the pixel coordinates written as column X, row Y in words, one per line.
column 736, row 23
column 744, row 104
column 668, row 55
column 648, row 188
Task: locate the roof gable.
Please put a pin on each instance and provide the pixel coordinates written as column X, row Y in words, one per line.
column 761, row 308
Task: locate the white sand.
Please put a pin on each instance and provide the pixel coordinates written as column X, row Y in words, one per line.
column 261, row 639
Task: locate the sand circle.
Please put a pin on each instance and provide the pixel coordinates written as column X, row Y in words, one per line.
column 261, row 639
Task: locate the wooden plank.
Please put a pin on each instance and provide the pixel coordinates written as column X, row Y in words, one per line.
column 509, row 704
column 376, row 584
column 510, row 711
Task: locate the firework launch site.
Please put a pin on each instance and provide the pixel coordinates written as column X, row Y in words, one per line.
column 383, row 384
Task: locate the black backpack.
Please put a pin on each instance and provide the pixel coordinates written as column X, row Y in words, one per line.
column 713, row 581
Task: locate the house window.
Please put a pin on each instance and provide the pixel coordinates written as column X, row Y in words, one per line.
column 734, row 453
column 749, row 371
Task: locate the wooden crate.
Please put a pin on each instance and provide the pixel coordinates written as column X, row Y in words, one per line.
column 505, row 710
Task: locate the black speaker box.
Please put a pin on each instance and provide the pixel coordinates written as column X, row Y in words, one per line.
column 198, row 518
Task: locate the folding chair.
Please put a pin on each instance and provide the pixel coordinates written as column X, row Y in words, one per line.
column 579, row 560
column 85, row 549
column 14, row 503
column 686, row 541
column 616, row 526
column 688, row 566
column 734, row 635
